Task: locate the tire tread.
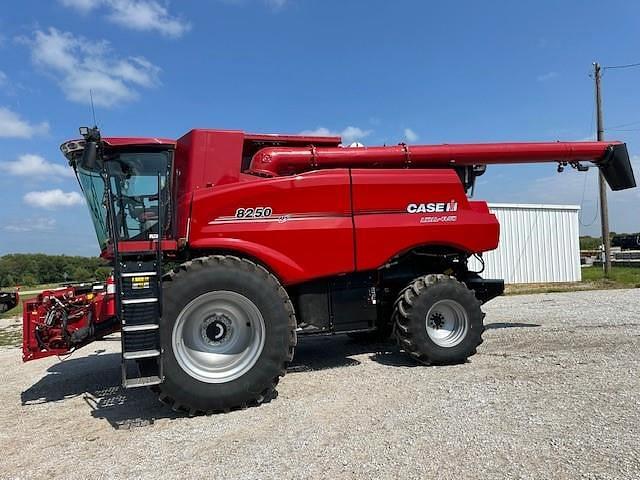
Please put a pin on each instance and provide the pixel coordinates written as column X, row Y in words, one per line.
column 404, row 304
column 232, row 261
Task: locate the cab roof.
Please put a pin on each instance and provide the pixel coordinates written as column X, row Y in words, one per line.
column 137, row 141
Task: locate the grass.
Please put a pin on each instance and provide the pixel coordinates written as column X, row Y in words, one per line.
column 29, row 288
column 10, row 336
column 627, row 276
column 592, row 279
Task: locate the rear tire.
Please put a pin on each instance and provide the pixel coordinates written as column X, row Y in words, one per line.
column 228, row 332
column 438, row 320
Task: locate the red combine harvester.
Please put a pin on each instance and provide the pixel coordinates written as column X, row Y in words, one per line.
column 275, row 236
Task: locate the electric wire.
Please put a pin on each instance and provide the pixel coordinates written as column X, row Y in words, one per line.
column 628, row 65
column 623, row 125
column 597, row 210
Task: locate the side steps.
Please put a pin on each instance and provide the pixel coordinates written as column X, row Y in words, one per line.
column 139, row 308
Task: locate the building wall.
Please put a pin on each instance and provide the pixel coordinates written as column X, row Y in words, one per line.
column 538, row 244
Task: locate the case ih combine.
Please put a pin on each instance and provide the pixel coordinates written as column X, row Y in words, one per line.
column 276, row 236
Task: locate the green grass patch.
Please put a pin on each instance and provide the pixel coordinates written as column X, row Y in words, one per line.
column 10, row 336
column 592, row 279
column 29, row 288
column 627, row 276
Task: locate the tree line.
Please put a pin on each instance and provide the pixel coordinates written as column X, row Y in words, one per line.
column 593, row 243
column 29, row 269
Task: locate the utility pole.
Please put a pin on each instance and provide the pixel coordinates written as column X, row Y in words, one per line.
column 604, row 209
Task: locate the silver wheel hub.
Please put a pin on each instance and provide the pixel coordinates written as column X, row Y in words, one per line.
column 218, row 336
column 447, row 323
column 217, row 330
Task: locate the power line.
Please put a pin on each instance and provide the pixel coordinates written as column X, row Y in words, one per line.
column 618, row 128
column 628, row 65
column 581, row 213
column 623, row 125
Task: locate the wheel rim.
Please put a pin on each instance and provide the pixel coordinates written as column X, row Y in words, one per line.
column 447, row 323
column 218, row 336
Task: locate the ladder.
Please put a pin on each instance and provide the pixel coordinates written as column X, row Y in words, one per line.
column 138, row 281
column 139, row 309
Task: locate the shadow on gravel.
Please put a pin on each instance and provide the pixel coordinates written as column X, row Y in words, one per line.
column 491, row 326
column 97, row 379
column 325, row 352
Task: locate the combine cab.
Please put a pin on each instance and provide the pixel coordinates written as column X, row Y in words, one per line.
column 275, row 236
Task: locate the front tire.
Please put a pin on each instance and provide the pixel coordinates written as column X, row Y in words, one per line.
column 228, row 332
column 438, row 320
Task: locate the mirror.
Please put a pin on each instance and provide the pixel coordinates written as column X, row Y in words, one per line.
column 89, row 159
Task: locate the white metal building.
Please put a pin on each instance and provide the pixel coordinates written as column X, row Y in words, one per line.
column 538, row 244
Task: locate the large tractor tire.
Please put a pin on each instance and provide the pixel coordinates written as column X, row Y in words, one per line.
column 438, row 320
column 228, row 332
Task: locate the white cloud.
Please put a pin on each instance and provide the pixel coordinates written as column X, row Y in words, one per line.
column 82, row 5
column 81, row 67
column 51, row 199
column 276, row 4
column 13, row 126
column 142, row 15
column 545, row 77
column 31, row 166
column 3, row 78
column 35, row 224
column 410, row 135
column 349, row 134
column 146, row 15
column 272, row 4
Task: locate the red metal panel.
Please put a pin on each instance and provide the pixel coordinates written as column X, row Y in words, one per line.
column 294, row 139
column 137, row 141
column 397, row 210
column 307, row 234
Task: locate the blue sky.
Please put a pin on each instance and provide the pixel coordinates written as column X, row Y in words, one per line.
column 375, row 71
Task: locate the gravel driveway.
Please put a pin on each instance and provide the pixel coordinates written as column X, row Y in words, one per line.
column 552, row 393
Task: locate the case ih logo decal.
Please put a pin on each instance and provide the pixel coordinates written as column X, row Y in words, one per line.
column 433, row 207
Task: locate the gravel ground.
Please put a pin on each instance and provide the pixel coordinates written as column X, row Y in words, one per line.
column 552, row 393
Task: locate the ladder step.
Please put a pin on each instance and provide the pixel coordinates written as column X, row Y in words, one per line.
column 140, row 354
column 142, row 381
column 138, row 274
column 140, row 328
column 139, row 300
